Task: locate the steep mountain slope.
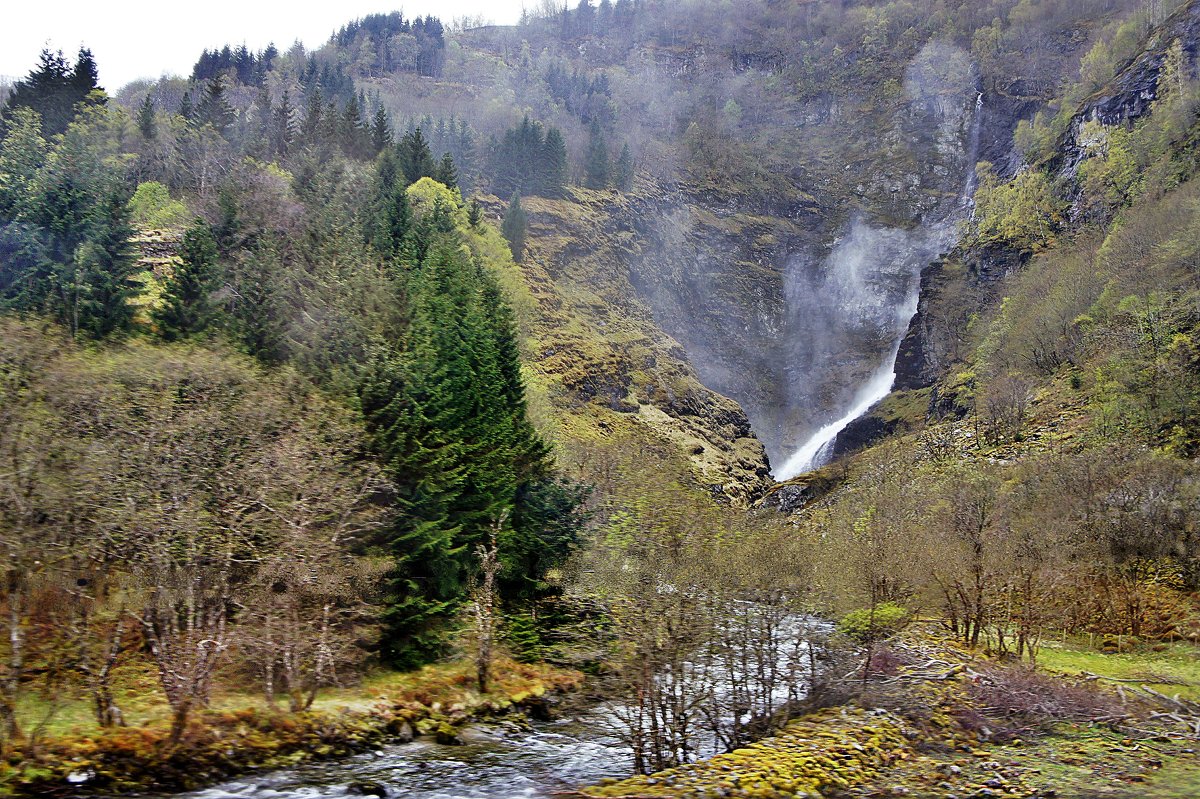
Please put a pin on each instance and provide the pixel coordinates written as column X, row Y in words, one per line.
column 783, row 216
column 610, row 369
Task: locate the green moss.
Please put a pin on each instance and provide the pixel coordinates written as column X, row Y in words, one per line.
column 832, row 750
column 239, row 732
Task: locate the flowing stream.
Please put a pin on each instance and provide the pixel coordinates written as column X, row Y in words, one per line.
column 511, row 759
column 496, row 761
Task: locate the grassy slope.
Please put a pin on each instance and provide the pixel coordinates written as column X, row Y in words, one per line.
column 608, row 370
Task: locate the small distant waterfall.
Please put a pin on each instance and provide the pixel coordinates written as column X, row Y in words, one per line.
column 972, row 181
column 871, row 279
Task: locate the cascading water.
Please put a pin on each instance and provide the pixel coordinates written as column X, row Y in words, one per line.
column 866, row 290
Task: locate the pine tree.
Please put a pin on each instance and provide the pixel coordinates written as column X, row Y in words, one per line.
column 604, row 17
column 313, row 113
column 381, row 131
column 97, row 282
column 283, row 125
column 186, row 109
column 515, row 227
column 398, row 398
column 585, row 18
column 416, row 160
column 447, row 174
column 596, row 164
column 552, row 167
column 145, row 119
column 85, row 263
column 187, row 307
column 447, row 414
column 214, row 109
column 354, row 136
column 388, row 227
column 86, row 76
column 623, row 171
column 257, row 313
column 55, row 90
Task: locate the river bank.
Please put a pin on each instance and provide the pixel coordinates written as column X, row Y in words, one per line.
column 436, row 702
column 936, row 720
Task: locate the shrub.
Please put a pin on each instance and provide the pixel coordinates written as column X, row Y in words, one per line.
column 152, row 208
column 874, row 624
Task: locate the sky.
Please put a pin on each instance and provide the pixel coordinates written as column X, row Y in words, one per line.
column 134, row 39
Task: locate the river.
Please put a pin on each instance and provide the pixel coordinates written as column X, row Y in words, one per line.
column 496, row 761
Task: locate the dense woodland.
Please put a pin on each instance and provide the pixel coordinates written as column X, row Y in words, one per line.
column 335, row 318
column 264, row 418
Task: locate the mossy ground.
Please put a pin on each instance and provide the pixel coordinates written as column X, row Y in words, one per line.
column 239, row 732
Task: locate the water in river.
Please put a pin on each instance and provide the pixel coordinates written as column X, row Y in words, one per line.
column 497, row 761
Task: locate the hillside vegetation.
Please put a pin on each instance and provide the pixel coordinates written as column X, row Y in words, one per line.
column 468, row 348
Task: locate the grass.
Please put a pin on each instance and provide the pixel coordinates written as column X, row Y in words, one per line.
column 67, row 711
column 238, row 732
column 1173, row 670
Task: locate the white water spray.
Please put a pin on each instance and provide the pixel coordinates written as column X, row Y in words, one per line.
column 818, row 450
column 862, row 273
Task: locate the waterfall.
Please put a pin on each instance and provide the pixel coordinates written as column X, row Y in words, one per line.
column 871, row 279
column 972, row 181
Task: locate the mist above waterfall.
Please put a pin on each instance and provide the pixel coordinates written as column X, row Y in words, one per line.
column 797, row 313
column 846, row 315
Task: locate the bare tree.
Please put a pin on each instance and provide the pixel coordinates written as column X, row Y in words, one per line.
column 303, row 614
column 483, row 604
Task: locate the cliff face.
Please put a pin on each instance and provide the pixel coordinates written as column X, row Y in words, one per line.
column 1132, row 92
column 719, row 325
column 790, row 310
column 607, row 365
column 965, row 283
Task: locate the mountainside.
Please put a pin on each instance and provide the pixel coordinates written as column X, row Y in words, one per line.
column 757, row 164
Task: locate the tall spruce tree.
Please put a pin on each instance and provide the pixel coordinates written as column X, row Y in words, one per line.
column 447, row 173
column 214, row 108
column 596, row 167
column 388, row 227
column 551, row 173
column 145, row 119
column 416, row 159
column 623, row 170
column 282, row 130
column 515, row 227
column 447, row 413
column 187, row 307
column 55, row 90
column 381, row 131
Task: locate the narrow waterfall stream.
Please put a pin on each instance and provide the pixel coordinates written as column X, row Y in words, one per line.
column 868, row 287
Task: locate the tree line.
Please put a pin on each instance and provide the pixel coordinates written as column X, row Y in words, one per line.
column 287, row 440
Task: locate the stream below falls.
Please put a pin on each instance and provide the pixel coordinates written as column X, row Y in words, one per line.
column 496, row 761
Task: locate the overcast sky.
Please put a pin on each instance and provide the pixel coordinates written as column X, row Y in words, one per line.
column 144, row 38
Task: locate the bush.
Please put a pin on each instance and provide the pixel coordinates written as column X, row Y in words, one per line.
column 867, row 624
column 151, row 208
